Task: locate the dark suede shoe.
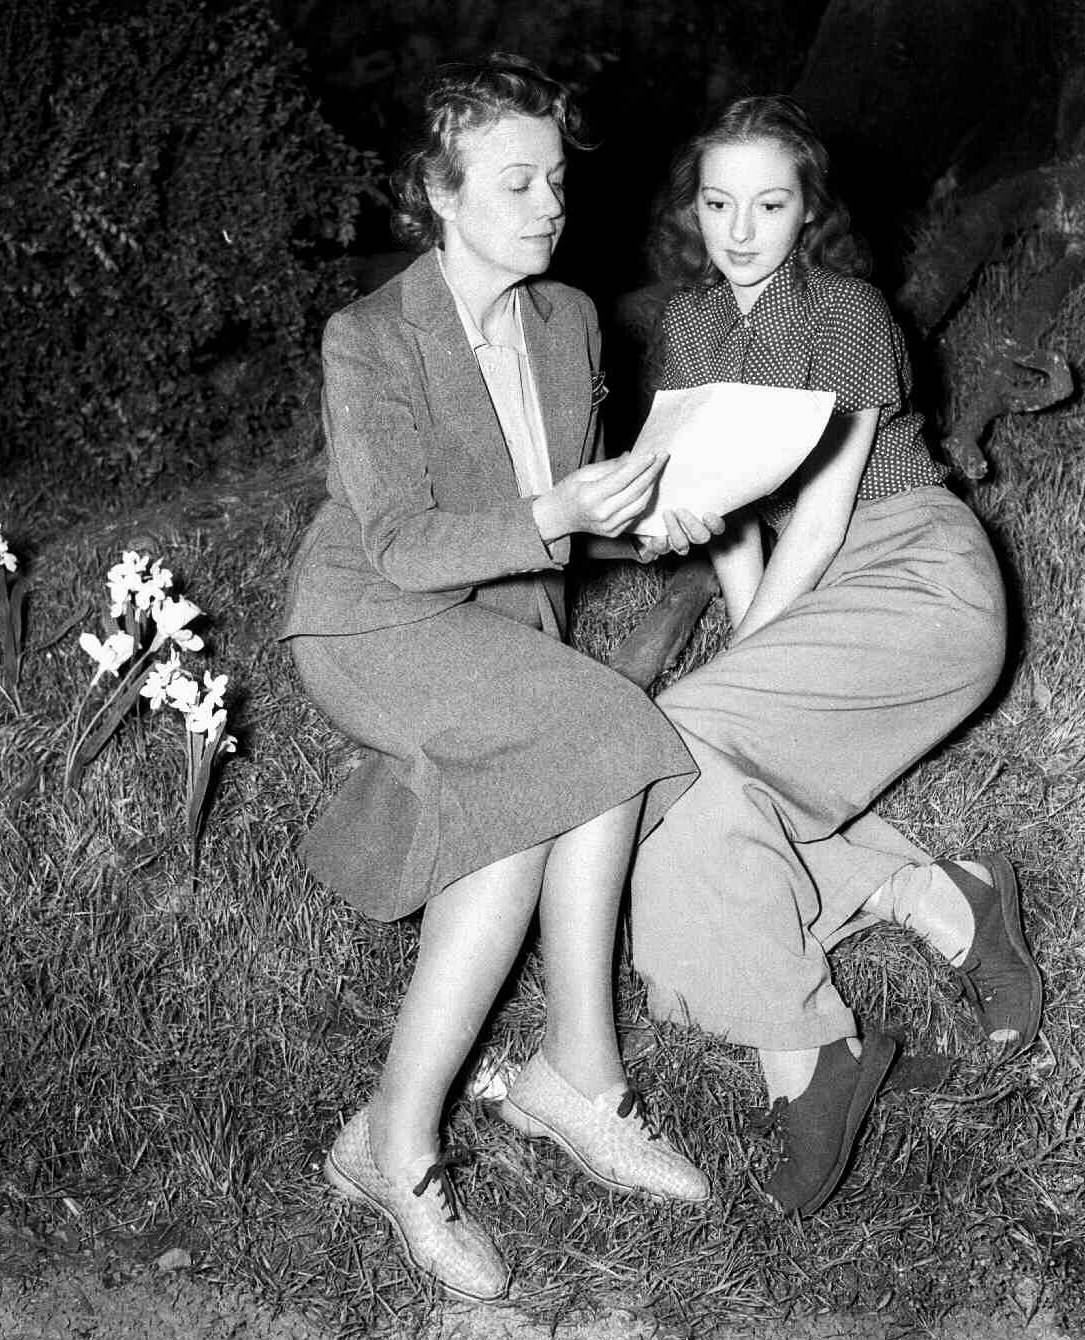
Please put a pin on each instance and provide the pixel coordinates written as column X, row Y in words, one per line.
column 999, row 978
column 819, row 1128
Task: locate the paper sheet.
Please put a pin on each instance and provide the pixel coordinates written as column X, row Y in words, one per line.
column 729, row 443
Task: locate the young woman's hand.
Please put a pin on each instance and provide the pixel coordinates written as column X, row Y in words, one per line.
column 684, row 529
column 602, row 499
column 649, row 547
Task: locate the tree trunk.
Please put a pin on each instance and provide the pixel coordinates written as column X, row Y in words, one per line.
column 661, row 636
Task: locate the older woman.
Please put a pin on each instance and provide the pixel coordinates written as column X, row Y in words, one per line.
column 506, row 772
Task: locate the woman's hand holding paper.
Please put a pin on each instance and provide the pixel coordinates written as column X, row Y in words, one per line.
column 728, row 444
column 601, row 499
column 684, row 529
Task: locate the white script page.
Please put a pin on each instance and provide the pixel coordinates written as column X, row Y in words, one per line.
column 729, row 443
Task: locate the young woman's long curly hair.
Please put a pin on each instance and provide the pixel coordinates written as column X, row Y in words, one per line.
column 676, row 247
column 463, row 96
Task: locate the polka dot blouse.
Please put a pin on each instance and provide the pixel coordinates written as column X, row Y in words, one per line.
column 817, row 330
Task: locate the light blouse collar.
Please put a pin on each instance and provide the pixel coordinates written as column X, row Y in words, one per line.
column 513, row 328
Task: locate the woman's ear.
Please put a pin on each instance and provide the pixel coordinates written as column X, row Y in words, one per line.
column 443, row 202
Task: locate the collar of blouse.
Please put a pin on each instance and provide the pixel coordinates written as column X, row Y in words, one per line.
column 780, row 303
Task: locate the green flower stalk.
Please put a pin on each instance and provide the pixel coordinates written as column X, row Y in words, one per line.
column 12, row 594
column 206, row 741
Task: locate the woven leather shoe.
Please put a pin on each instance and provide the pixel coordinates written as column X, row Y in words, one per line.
column 999, row 978
column 437, row 1236
column 820, row 1127
column 608, row 1137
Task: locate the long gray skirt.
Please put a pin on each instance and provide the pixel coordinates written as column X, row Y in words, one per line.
column 484, row 738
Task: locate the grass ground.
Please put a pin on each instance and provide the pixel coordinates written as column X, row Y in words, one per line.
column 176, row 1059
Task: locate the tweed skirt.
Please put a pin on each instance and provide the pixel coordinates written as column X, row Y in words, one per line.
column 484, row 737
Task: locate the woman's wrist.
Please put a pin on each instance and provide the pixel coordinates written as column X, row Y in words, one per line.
column 548, row 518
column 647, row 548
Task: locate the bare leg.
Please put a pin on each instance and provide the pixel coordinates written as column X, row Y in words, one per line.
column 574, row 1089
column 582, row 889
column 471, row 934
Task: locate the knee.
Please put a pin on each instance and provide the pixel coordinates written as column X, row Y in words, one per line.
column 981, row 647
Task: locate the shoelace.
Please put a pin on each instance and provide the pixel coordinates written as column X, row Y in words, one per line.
column 438, row 1172
column 768, row 1121
column 633, row 1103
column 966, row 986
column 762, row 1120
column 981, row 1003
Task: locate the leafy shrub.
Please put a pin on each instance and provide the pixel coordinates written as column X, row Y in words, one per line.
column 167, row 189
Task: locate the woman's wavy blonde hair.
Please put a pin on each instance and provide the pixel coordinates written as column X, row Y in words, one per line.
column 461, row 97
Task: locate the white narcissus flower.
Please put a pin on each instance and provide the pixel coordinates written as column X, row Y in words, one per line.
column 171, row 617
column 215, row 686
column 125, row 579
column 7, row 558
column 183, row 692
column 110, row 654
column 157, row 684
column 154, row 587
column 184, row 637
column 129, row 570
column 205, row 718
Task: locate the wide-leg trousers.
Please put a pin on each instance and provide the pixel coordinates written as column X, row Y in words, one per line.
column 765, row 861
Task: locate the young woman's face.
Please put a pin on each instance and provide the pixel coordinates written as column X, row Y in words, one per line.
column 750, row 209
column 506, row 218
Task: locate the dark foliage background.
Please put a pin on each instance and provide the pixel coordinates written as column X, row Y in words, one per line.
column 173, row 207
column 189, row 187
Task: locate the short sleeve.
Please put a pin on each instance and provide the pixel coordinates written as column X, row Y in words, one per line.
column 861, row 354
column 669, row 361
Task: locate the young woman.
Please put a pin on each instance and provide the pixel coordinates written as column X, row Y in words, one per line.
column 873, row 629
column 507, row 772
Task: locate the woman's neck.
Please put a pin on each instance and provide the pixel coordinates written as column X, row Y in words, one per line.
column 485, row 292
column 746, row 297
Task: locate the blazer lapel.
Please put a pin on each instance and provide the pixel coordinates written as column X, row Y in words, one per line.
column 458, row 394
column 558, row 366
column 456, row 391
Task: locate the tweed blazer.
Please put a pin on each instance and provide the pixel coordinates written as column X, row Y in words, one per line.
column 423, row 509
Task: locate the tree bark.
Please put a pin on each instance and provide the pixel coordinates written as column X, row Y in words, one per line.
column 940, row 271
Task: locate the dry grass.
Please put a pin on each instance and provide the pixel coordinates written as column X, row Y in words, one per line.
column 175, row 1061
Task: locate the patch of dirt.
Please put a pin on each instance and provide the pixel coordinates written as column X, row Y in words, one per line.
column 52, row 1288
column 48, row 1293
column 68, row 1301
column 63, row 1301
column 460, row 1322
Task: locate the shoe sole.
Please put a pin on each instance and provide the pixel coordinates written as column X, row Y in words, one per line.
column 1005, row 884
column 877, row 1057
column 536, row 1129
column 345, row 1185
